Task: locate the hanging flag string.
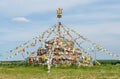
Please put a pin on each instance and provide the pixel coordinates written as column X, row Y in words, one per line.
column 94, row 44
column 21, row 49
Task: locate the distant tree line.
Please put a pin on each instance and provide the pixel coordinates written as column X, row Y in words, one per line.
column 25, row 63
column 112, row 62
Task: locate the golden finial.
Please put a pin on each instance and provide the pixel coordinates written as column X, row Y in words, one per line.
column 59, row 13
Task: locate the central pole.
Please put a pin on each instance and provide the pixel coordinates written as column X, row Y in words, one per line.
column 59, row 24
column 59, row 15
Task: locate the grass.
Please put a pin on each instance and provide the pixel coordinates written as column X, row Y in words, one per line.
column 71, row 72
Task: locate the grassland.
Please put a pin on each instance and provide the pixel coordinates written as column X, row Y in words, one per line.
column 71, row 72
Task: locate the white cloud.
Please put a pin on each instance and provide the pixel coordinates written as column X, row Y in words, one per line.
column 25, row 7
column 21, row 19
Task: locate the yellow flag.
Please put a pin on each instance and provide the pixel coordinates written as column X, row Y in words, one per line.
column 42, row 42
column 22, row 45
column 37, row 40
column 73, row 50
column 3, row 54
column 61, row 43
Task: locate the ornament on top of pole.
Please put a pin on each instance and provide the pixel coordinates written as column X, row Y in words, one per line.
column 59, row 13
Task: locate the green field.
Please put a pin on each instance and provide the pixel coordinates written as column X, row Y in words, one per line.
column 71, row 72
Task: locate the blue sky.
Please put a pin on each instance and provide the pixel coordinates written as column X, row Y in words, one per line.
column 98, row 20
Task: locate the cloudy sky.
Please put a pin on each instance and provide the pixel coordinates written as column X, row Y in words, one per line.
column 98, row 20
